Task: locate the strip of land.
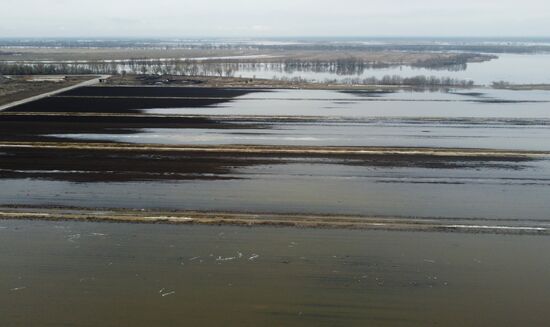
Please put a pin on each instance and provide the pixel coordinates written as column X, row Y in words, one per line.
column 522, row 87
column 253, row 54
column 260, row 149
column 278, row 220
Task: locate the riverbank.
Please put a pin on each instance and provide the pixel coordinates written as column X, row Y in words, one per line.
column 142, row 216
column 521, row 87
column 255, row 83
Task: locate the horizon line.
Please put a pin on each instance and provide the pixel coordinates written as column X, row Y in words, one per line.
column 196, row 37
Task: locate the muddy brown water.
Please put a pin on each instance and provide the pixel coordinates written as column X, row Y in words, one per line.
column 92, row 274
column 98, row 274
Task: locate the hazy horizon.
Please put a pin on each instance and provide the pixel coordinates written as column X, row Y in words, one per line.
column 283, row 19
column 282, row 38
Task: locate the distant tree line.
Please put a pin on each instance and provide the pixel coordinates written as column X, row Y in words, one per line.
column 395, row 80
column 228, row 69
column 311, row 45
column 342, row 67
column 134, row 66
column 55, row 69
column 458, row 62
column 500, row 84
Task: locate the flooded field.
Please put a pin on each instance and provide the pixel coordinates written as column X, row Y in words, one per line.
column 339, row 67
column 477, row 118
column 416, row 208
column 514, row 68
column 367, row 185
column 494, row 134
column 164, row 275
column 367, row 153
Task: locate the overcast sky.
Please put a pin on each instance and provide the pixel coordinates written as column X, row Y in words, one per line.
column 266, row 18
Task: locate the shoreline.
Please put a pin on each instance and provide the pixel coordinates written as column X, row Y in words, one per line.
column 280, row 149
column 303, row 221
column 260, row 83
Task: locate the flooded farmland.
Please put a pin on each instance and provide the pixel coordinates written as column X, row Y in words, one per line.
column 367, row 153
column 144, row 275
column 433, row 206
column 515, row 68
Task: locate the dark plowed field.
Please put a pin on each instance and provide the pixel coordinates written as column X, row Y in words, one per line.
column 194, row 92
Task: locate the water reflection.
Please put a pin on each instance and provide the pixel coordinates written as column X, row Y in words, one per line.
column 513, row 68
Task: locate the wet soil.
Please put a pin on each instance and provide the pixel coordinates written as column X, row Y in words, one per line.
column 133, row 91
column 130, row 99
column 135, row 163
column 36, row 127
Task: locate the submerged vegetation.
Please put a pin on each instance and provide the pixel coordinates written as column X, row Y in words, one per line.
column 177, row 67
column 224, row 67
column 420, row 80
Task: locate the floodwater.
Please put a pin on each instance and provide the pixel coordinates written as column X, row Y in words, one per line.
column 474, row 103
column 513, row 68
column 498, row 135
column 512, row 191
column 482, row 188
column 107, row 274
column 477, row 118
column 93, row 274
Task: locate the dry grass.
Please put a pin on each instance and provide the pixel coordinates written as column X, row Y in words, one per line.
column 21, row 87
